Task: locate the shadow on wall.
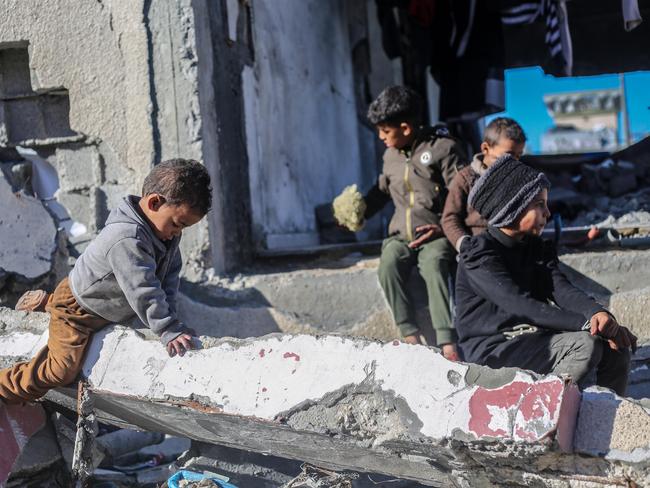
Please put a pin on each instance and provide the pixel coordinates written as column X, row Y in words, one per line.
column 596, row 420
column 313, row 301
column 218, row 312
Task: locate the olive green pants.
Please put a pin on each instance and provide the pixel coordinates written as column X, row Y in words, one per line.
column 436, row 263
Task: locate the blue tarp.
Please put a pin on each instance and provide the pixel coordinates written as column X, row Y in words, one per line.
column 173, row 482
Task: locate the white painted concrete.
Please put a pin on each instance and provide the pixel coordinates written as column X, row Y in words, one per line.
column 268, row 376
column 22, row 343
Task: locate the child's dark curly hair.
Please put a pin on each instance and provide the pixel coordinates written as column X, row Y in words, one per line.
column 394, row 105
column 503, row 127
column 181, row 181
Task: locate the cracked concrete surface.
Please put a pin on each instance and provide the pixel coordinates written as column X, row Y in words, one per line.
column 356, row 404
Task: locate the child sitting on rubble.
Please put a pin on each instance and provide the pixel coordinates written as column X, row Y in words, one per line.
column 459, row 220
column 130, row 269
column 514, row 307
column 419, row 162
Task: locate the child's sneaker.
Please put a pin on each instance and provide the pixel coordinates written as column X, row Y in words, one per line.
column 32, row 301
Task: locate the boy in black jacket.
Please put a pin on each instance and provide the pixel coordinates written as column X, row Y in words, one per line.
column 514, row 306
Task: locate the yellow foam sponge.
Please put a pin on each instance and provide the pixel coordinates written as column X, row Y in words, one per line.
column 349, row 208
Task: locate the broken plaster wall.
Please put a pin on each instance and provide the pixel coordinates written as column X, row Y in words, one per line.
column 97, row 51
column 129, row 72
column 301, row 119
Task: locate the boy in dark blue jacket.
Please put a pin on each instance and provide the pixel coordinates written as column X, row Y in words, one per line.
column 514, row 306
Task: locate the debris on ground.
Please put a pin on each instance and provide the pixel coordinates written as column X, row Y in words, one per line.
column 314, row 477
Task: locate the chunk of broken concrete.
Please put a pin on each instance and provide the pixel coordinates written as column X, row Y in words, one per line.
column 344, row 403
column 18, row 423
column 611, row 426
column 29, row 236
column 40, row 454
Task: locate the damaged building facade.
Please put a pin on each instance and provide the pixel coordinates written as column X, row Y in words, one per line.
column 94, row 93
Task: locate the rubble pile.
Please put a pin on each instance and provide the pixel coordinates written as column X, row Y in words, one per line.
column 609, row 194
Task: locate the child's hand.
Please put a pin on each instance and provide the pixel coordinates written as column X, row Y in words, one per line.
column 424, row 234
column 449, row 352
column 623, row 338
column 179, row 345
column 604, row 325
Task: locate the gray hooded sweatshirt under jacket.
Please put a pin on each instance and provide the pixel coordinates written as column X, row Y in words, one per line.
column 127, row 271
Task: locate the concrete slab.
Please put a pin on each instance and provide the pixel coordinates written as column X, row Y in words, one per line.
column 29, row 236
column 285, row 371
column 18, row 423
column 345, row 403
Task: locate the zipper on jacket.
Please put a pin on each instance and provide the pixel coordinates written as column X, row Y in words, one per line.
column 411, row 203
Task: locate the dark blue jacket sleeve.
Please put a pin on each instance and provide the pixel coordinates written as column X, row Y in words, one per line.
column 566, row 295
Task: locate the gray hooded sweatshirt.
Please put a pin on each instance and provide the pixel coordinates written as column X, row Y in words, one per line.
column 126, row 271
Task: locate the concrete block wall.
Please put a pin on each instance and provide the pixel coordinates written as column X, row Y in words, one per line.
column 102, row 91
column 74, row 86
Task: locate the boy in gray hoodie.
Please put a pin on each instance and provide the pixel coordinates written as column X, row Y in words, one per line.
column 130, row 269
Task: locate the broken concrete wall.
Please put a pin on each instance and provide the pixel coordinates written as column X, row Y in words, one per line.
column 353, row 404
column 31, row 253
column 97, row 53
column 126, row 75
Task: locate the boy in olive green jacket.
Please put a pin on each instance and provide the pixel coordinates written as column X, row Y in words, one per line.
column 419, row 163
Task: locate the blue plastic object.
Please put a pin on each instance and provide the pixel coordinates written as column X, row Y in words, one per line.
column 173, row 482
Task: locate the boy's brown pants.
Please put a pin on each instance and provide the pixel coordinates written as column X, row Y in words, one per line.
column 59, row 362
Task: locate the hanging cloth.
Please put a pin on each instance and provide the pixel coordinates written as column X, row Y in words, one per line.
column 556, row 20
column 631, row 14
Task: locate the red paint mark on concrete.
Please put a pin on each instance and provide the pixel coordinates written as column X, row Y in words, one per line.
column 10, row 448
column 504, row 398
column 539, row 407
column 17, row 424
column 395, row 342
column 293, row 355
column 263, row 389
column 528, row 408
column 261, row 353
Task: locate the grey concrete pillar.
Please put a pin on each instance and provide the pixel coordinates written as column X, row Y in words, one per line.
column 221, row 61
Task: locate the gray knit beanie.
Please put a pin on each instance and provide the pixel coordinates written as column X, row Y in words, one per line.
column 505, row 190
